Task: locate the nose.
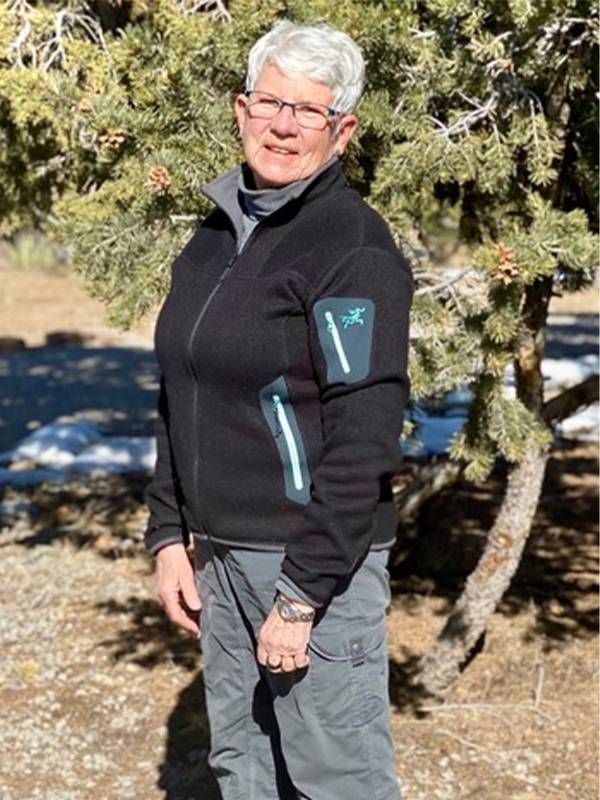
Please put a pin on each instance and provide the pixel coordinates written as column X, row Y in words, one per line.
column 284, row 123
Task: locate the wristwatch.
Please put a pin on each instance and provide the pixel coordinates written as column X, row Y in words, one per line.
column 289, row 613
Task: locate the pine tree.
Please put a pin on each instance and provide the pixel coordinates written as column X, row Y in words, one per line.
column 478, row 113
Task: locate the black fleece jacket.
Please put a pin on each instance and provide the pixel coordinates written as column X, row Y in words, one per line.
column 283, row 381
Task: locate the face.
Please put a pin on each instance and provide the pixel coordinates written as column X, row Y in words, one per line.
column 278, row 150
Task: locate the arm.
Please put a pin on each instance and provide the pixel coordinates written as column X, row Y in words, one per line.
column 358, row 320
column 165, row 525
column 166, row 534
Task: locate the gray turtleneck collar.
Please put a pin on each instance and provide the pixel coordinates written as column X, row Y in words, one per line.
column 245, row 206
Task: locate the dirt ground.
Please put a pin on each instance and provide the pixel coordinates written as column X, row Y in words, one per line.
column 33, row 304
column 59, row 303
column 100, row 698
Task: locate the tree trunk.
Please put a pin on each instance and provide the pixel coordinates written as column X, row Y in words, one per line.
column 491, row 577
column 502, row 554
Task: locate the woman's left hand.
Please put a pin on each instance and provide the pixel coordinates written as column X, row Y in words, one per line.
column 283, row 645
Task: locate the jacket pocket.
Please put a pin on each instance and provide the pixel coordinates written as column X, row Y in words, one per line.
column 345, row 330
column 280, row 417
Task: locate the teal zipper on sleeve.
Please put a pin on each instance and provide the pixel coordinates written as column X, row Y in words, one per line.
column 337, row 342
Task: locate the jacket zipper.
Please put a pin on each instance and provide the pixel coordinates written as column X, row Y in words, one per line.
column 337, row 341
column 192, row 335
column 281, row 417
column 199, row 318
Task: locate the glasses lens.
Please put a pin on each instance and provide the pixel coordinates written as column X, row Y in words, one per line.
column 261, row 105
column 311, row 115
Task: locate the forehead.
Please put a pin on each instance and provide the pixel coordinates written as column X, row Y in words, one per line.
column 292, row 86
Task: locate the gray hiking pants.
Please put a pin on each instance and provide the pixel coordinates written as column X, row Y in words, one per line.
column 316, row 734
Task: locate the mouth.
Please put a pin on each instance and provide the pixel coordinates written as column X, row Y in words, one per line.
column 280, row 151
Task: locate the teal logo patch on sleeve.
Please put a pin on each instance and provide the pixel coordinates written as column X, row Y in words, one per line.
column 353, row 317
column 345, row 328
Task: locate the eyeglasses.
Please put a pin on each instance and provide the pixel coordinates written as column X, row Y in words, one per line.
column 262, row 105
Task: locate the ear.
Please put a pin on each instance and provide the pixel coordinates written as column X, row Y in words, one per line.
column 239, row 106
column 347, row 127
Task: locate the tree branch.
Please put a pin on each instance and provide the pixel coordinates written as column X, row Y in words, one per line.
column 567, row 402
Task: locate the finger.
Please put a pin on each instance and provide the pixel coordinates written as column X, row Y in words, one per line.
column 261, row 655
column 288, row 664
column 301, row 660
column 177, row 614
column 189, row 591
column 274, row 662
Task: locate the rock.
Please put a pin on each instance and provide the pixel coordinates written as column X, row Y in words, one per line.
column 62, row 338
column 11, row 344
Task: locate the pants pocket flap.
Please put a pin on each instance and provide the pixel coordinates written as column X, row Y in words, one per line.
column 349, row 647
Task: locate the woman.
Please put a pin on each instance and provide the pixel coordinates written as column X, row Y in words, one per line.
column 283, row 352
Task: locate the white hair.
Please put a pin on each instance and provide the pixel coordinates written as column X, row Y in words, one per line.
column 319, row 51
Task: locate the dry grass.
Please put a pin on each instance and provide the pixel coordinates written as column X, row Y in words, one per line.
column 102, row 699
column 521, row 724
column 35, row 303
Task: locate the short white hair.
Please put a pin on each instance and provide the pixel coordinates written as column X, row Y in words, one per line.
column 319, row 51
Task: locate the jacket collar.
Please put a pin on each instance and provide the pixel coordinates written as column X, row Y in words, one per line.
column 225, row 190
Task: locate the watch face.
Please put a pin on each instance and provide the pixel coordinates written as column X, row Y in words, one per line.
column 289, row 613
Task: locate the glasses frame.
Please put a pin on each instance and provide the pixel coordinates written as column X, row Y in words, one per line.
column 331, row 112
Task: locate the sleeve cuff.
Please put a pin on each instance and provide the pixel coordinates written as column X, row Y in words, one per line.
column 286, row 586
column 158, row 538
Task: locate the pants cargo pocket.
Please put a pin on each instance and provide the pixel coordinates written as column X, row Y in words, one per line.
column 348, row 674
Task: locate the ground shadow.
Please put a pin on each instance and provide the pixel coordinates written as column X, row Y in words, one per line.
column 571, row 336
column 117, row 386
column 106, row 514
column 149, row 640
column 184, row 773
column 559, row 568
column 406, row 693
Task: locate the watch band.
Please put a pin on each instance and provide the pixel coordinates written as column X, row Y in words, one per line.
column 289, row 613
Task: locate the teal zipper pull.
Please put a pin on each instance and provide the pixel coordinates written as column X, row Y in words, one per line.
column 337, row 342
column 285, row 428
column 276, row 402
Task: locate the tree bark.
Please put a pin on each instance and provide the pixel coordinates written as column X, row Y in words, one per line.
column 428, row 481
column 491, row 577
column 567, row 402
column 504, row 547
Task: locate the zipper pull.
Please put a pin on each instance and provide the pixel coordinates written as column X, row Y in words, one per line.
column 276, row 405
column 337, row 342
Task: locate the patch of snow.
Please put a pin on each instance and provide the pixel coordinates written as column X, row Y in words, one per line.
column 565, row 372
column 57, row 444
column 560, row 373
column 584, row 425
column 64, row 450
column 117, row 454
column 563, row 319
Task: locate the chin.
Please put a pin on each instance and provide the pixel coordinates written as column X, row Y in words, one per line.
column 273, row 179
column 274, row 175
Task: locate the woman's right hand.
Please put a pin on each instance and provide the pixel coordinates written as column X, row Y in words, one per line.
column 176, row 587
